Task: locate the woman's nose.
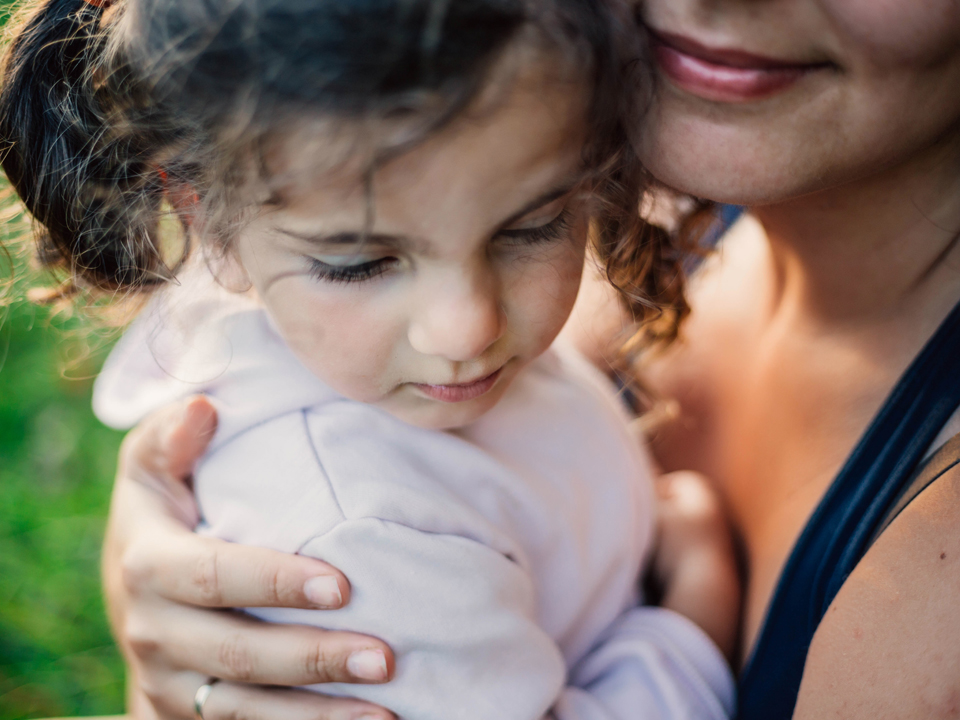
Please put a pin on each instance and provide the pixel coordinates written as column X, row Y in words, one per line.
column 460, row 319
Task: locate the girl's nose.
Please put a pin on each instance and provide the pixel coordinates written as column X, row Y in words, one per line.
column 459, row 320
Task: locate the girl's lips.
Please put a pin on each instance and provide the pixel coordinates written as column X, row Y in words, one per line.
column 730, row 76
column 459, row 393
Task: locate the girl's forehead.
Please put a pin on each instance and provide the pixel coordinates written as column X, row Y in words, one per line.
column 530, row 133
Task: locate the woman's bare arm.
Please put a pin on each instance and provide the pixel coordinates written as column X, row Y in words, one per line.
column 889, row 646
column 169, row 592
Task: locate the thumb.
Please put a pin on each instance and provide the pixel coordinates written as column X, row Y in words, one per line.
column 187, row 434
column 161, row 451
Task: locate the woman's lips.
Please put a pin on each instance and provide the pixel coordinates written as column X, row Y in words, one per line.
column 459, row 393
column 730, row 76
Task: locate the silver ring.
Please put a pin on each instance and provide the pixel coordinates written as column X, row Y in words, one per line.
column 201, row 697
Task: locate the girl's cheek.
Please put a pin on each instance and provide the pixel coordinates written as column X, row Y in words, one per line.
column 339, row 332
column 544, row 295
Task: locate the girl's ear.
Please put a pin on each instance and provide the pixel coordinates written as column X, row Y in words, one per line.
column 224, row 264
column 182, row 196
column 226, row 268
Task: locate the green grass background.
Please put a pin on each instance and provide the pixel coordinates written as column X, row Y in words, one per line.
column 56, row 469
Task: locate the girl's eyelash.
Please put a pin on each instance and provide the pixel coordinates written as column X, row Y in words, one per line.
column 350, row 273
column 553, row 230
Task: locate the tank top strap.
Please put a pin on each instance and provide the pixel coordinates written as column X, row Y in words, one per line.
column 860, row 500
column 942, row 461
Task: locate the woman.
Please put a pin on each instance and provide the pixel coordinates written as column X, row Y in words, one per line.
column 837, row 122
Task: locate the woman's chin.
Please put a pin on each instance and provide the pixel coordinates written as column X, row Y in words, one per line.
column 700, row 180
column 726, row 169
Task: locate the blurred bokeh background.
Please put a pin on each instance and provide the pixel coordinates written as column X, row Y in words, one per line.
column 56, row 469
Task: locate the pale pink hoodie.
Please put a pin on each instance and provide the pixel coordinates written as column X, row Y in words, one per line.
column 500, row 561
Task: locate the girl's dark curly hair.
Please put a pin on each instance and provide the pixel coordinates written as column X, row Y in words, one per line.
column 103, row 109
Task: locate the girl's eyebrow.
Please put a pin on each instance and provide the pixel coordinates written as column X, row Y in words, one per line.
column 352, row 238
column 340, row 238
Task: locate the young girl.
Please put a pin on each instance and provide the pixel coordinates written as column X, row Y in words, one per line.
column 394, row 198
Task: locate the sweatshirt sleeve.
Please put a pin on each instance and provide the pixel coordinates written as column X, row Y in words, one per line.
column 458, row 614
column 651, row 664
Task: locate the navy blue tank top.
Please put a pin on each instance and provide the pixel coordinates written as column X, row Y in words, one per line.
column 841, row 529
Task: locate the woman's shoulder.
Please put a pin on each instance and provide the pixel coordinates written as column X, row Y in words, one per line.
column 889, row 646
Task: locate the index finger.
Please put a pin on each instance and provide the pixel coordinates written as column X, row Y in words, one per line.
column 168, row 560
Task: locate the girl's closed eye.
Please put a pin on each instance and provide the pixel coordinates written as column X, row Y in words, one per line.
column 550, row 223
column 350, row 268
column 358, row 268
column 554, row 229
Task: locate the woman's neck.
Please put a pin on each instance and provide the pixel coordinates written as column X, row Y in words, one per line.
column 869, row 248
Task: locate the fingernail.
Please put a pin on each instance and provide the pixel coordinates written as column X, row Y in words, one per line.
column 198, row 409
column 368, row 665
column 323, row 591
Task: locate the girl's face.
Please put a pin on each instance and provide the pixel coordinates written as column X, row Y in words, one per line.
column 762, row 100
column 470, row 269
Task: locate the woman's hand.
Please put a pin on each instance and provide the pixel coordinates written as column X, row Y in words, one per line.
column 889, row 644
column 168, row 592
column 695, row 562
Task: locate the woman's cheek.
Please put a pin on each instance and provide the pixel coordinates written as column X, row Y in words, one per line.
column 898, row 32
column 341, row 333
